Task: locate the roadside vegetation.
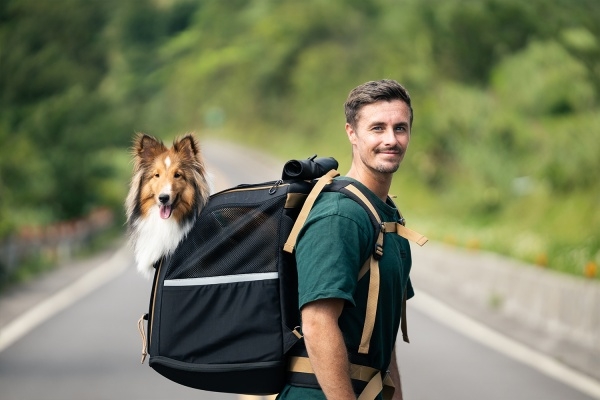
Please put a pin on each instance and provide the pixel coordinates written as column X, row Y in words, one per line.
column 505, row 148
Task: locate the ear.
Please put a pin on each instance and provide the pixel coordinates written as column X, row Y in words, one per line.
column 351, row 134
column 147, row 147
column 187, row 145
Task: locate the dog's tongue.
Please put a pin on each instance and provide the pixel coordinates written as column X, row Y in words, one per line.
column 165, row 212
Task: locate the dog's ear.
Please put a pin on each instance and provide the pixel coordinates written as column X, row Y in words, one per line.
column 147, row 147
column 188, row 145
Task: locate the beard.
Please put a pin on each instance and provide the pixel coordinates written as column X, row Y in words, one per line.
column 387, row 169
column 391, row 166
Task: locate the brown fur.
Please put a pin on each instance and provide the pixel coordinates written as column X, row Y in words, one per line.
column 178, row 172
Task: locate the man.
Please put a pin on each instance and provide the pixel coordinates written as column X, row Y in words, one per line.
column 338, row 238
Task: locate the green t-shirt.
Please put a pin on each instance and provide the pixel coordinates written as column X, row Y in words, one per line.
column 336, row 240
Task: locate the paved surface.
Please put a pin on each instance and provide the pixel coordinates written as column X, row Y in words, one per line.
column 90, row 349
column 555, row 314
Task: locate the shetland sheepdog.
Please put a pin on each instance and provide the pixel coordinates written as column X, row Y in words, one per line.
column 167, row 192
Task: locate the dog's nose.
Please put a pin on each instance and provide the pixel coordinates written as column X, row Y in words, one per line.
column 163, row 198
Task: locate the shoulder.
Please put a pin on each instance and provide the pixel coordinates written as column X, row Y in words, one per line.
column 336, row 205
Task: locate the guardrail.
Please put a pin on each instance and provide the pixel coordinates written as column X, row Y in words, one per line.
column 52, row 243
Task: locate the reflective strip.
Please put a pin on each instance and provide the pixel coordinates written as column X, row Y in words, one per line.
column 216, row 280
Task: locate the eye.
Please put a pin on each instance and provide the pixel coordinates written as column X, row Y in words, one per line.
column 156, row 175
column 177, row 175
column 402, row 129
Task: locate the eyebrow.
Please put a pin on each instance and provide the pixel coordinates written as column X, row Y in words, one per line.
column 403, row 123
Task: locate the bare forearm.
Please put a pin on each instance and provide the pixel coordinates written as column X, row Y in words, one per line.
column 327, row 353
column 395, row 375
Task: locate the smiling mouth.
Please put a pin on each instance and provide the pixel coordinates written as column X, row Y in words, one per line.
column 392, row 151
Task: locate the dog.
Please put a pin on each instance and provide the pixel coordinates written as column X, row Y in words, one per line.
column 168, row 190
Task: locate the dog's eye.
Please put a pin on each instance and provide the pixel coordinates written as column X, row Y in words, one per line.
column 177, row 175
column 156, row 175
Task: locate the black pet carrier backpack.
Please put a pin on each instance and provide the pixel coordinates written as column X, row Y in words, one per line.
column 224, row 306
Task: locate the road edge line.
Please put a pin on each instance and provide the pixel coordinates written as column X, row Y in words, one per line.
column 439, row 311
column 51, row 306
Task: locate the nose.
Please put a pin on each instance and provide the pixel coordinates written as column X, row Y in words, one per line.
column 389, row 137
column 164, row 198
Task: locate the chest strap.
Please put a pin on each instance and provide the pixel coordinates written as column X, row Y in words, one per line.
column 401, row 230
column 375, row 383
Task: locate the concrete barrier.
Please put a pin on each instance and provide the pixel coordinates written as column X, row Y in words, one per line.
column 552, row 312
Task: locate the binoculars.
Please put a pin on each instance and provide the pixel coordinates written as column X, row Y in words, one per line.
column 312, row 168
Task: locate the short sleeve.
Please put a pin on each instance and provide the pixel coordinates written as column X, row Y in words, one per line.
column 329, row 254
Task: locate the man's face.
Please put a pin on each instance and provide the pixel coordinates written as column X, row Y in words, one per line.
column 381, row 135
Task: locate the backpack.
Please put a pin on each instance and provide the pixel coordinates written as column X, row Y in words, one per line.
column 223, row 312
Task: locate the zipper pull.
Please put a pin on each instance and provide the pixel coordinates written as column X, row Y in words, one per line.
column 143, row 335
column 275, row 186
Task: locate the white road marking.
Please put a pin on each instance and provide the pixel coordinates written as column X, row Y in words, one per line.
column 426, row 304
column 45, row 310
column 509, row 347
column 93, row 280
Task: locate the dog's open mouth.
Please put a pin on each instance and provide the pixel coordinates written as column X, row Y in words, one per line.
column 165, row 211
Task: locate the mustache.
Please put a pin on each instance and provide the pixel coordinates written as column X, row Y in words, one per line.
column 396, row 149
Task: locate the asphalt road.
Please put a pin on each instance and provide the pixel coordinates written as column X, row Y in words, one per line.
column 89, row 348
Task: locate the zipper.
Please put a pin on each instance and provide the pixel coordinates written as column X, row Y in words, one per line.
column 272, row 186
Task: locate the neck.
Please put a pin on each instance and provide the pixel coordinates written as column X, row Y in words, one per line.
column 376, row 182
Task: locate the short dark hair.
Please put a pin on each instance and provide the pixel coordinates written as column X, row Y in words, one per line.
column 374, row 91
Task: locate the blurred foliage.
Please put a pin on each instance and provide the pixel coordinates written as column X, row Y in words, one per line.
column 506, row 97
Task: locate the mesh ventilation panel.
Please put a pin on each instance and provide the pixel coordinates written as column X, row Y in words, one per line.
column 232, row 239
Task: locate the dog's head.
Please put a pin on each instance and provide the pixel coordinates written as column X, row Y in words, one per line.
column 172, row 179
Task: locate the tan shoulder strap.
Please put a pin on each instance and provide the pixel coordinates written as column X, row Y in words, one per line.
column 308, row 205
column 373, row 377
column 371, row 311
column 372, row 264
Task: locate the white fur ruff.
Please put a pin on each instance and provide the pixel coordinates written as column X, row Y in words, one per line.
column 154, row 237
